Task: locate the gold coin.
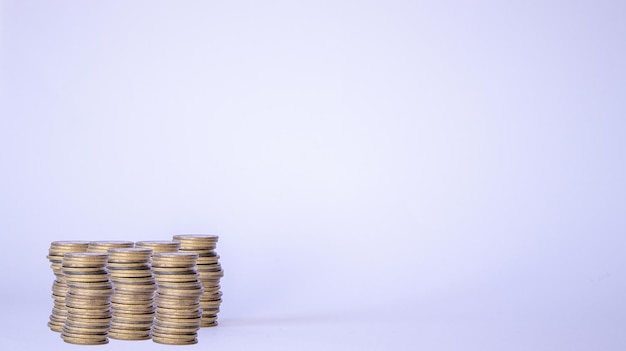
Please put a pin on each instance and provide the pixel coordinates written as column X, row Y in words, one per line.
column 73, row 330
column 174, row 259
column 85, row 304
column 202, row 252
column 117, row 308
column 121, row 265
column 121, row 335
column 189, row 331
column 125, row 334
column 78, row 271
column 130, row 252
column 183, row 300
column 159, row 246
column 128, row 259
column 211, row 294
column 173, row 341
column 59, row 312
column 84, row 259
column 87, row 280
column 123, row 315
column 175, row 306
column 173, row 334
column 209, row 317
column 211, row 274
column 84, row 341
column 131, row 324
column 196, row 237
column 192, row 303
column 173, row 279
column 135, row 288
column 207, row 261
column 125, row 297
column 210, row 305
column 80, row 332
column 89, row 313
column 130, row 318
column 55, row 327
column 131, row 327
column 194, row 284
column 171, row 323
column 94, row 283
column 192, row 311
column 58, row 248
column 131, row 274
column 180, row 292
column 85, row 256
column 104, row 246
column 209, row 267
column 123, row 286
column 88, row 321
column 134, row 281
column 210, row 282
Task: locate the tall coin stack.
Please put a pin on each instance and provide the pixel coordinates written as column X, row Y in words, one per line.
column 178, row 313
column 104, row 246
column 59, row 286
column 133, row 295
column 210, row 272
column 88, row 299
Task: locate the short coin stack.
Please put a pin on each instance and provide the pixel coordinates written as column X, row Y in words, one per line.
column 59, row 287
column 210, row 272
column 159, row 246
column 133, row 296
column 88, row 299
column 104, row 246
column 178, row 311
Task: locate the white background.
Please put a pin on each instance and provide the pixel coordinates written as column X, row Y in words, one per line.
column 418, row 175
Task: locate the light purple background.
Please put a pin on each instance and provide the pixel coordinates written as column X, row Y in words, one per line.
column 418, row 175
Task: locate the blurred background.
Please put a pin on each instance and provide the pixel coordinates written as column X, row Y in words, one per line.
column 443, row 175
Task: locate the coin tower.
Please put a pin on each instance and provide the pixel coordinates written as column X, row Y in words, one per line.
column 59, row 286
column 133, row 295
column 178, row 312
column 88, row 300
column 210, row 272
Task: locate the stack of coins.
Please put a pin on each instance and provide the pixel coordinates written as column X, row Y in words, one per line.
column 104, row 246
column 210, row 272
column 178, row 312
column 159, row 246
column 59, row 286
column 88, row 299
column 133, row 296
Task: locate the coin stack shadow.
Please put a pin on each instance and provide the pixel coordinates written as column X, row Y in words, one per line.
column 88, row 299
column 105, row 245
column 59, row 286
column 133, row 294
column 210, row 272
column 178, row 312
